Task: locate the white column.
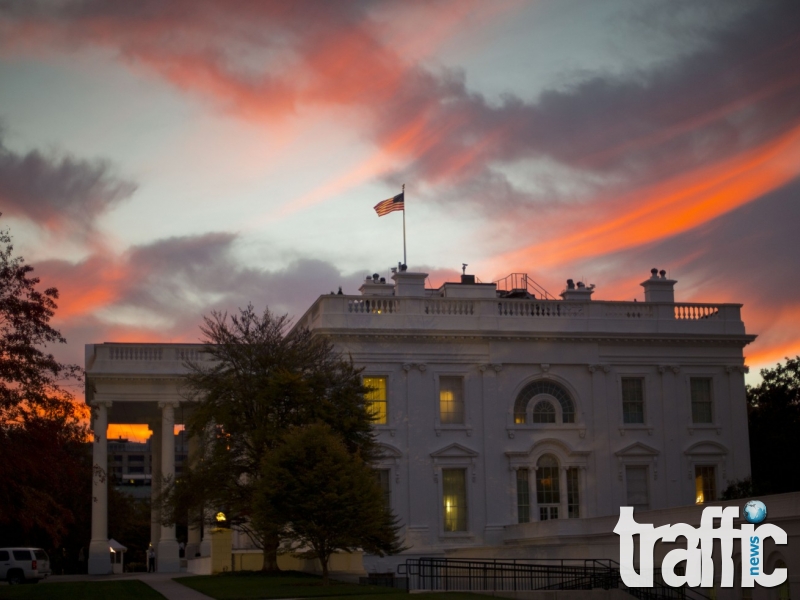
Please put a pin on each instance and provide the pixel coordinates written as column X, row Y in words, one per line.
column 155, row 483
column 99, row 554
column 168, row 553
column 193, row 538
column 563, row 509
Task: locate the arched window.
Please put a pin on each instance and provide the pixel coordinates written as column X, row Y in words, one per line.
column 551, row 388
column 544, row 412
column 548, row 496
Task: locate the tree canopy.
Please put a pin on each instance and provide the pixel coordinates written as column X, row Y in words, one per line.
column 774, row 419
column 328, row 496
column 30, row 378
column 257, row 381
column 42, row 434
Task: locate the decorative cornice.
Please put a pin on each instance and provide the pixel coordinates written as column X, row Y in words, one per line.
column 664, row 368
column 743, row 369
column 714, row 340
column 596, row 368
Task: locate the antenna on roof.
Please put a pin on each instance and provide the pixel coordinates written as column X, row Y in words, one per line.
column 464, row 268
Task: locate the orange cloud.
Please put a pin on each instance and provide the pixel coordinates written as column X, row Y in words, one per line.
column 671, row 207
column 133, row 432
column 771, row 355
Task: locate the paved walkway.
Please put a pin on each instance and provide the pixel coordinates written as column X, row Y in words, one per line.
column 171, row 590
column 161, row 582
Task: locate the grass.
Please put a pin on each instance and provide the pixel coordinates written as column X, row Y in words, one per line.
column 286, row 585
column 245, row 586
column 82, row 590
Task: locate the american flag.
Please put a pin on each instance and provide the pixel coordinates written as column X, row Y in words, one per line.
column 391, row 205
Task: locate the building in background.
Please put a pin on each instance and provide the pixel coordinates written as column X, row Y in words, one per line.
column 130, row 464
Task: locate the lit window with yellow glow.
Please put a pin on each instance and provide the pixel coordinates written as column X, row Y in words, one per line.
column 705, row 484
column 454, row 499
column 451, row 400
column 376, row 399
column 548, row 488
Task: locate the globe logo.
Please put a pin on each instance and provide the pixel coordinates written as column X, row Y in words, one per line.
column 755, row 512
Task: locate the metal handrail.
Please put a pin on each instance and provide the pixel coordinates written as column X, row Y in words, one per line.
column 471, row 574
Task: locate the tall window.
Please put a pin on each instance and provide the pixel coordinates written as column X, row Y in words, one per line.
column 523, row 496
column 376, row 399
column 632, row 400
column 573, row 495
column 382, row 477
column 544, row 412
column 454, row 499
column 701, row 400
column 451, row 400
column 638, row 492
column 547, row 487
column 705, row 483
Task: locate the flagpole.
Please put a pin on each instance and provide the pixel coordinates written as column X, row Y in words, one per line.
column 404, row 224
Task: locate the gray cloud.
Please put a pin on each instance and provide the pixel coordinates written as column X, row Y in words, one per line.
column 59, row 193
column 170, row 285
column 740, row 88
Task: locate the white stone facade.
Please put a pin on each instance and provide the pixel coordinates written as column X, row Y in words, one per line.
column 509, row 354
column 503, row 347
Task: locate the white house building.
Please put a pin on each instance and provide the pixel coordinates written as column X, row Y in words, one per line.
column 495, row 408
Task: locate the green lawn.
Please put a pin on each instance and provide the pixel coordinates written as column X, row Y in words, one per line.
column 82, row 590
column 287, row 585
column 242, row 586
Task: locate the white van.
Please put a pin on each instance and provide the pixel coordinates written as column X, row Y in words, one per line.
column 20, row 565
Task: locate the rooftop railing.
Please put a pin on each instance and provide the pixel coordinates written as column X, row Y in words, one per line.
column 150, row 352
column 486, row 313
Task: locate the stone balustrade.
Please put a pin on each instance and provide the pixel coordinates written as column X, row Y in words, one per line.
column 150, row 353
column 506, row 315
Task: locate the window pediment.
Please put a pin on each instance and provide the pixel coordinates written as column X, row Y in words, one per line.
column 637, row 449
column 389, row 451
column 705, row 449
column 454, row 451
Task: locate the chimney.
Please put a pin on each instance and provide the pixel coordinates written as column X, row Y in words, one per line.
column 578, row 291
column 658, row 288
column 375, row 286
column 409, row 284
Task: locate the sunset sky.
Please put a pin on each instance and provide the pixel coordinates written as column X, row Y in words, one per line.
column 162, row 159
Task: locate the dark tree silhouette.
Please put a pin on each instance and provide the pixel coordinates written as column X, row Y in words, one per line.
column 774, row 418
column 42, row 429
column 255, row 384
column 328, row 496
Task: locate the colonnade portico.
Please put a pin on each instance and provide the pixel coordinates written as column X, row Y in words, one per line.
column 163, row 449
column 141, row 386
